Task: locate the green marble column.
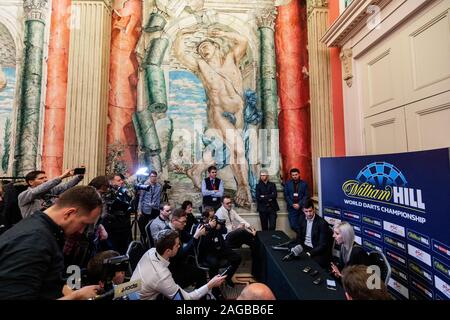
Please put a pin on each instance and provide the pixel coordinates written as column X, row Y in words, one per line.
column 268, row 85
column 27, row 130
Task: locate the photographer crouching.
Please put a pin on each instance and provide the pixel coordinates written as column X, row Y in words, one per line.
column 213, row 250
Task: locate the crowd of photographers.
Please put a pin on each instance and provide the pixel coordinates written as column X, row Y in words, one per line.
column 47, row 228
column 51, row 229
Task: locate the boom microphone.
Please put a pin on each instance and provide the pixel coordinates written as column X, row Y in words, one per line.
column 295, row 252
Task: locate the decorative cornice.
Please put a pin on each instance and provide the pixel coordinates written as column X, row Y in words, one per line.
column 346, row 58
column 313, row 4
column 35, row 9
column 350, row 22
column 265, row 18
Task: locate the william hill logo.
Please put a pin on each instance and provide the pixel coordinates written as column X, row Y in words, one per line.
column 383, row 182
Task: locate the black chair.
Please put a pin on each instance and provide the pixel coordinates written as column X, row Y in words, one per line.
column 135, row 252
column 150, row 241
column 379, row 259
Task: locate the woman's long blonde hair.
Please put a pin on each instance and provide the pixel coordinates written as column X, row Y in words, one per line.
column 348, row 237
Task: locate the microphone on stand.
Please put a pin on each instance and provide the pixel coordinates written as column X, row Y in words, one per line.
column 295, row 252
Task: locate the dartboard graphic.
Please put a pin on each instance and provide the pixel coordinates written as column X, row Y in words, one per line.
column 382, row 174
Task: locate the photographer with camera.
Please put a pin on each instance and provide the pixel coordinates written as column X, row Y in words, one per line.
column 107, row 272
column 42, row 192
column 80, row 248
column 212, row 249
column 184, row 270
column 117, row 220
column 31, row 257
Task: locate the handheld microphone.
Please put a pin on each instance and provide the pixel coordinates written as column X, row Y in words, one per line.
column 295, row 252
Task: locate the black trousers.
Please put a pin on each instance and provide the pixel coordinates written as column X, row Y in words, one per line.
column 144, row 219
column 268, row 219
column 238, row 237
column 221, row 258
column 185, row 274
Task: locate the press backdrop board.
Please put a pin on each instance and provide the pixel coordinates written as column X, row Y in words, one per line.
column 398, row 204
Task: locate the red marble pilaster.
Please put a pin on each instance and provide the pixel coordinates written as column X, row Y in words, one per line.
column 293, row 88
column 56, row 95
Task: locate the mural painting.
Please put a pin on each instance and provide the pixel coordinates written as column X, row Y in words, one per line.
column 7, row 94
column 211, row 114
column 192, row 83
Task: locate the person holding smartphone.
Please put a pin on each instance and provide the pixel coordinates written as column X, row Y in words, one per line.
column 42, row 192
column 213, row 250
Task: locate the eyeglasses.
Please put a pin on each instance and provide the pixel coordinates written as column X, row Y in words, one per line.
column 153, row 176
column 228, row 202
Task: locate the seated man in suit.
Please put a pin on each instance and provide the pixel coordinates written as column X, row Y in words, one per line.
column 314, row 235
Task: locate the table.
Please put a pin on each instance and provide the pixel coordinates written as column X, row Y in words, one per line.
column 286, row 278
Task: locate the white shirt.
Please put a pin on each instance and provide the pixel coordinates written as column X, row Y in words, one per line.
column 232, row 219
column 156, row 278
column 309, row 224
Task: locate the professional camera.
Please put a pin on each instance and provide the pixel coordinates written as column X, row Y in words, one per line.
column 144, row 187
column 110, row 267
column 166, row 186
column 118, row 201
column 218, row 221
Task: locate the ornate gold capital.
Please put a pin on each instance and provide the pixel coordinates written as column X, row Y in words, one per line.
column 35, row 9
column 346, row 58
column 265, row 17
column 313, row 4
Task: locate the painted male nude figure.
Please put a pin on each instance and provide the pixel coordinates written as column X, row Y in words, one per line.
column 222, row 81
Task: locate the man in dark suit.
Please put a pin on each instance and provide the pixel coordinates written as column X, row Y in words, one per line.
column 266, row 199
column 314, row 235
column 295, row 194
column 212, row 189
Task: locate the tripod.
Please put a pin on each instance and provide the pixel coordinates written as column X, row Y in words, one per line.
column 165, row 197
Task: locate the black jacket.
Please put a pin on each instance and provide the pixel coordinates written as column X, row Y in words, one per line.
column 357, row 256
column 269, row 200
column 320, row 235
column 31, row 259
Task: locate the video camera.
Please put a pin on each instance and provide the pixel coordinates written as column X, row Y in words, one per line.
column 219, row 221
column 166, row 186
column 110, row 267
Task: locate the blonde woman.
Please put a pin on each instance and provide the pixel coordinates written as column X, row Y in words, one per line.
column 350, row 253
